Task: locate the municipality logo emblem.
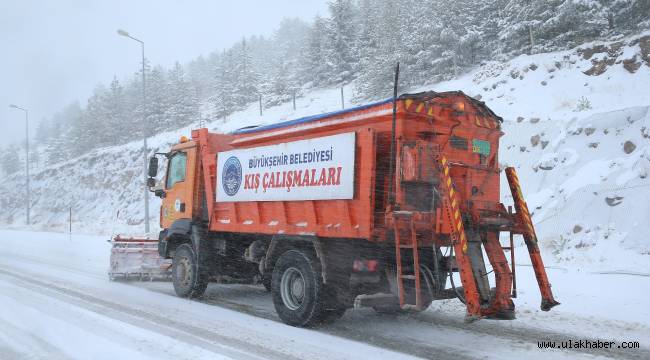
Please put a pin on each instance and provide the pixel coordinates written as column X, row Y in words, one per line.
column 231, row 176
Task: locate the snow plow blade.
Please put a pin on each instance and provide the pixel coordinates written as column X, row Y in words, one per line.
column 137, row 259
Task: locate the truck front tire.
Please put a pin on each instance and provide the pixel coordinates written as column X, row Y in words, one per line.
column 297, row 289
column 189, row 279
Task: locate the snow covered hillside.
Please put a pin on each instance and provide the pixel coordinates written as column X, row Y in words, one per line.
column 577, row 127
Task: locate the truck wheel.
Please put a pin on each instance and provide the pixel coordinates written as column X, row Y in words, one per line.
column 188, row 280
column 297, row 289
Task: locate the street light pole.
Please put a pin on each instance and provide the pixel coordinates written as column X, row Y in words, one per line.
column 144, row 131
column 26, row 156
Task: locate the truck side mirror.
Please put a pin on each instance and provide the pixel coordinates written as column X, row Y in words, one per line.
column 153, row 166
column 151, row 182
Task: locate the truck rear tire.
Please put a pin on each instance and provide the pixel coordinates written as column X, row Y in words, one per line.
column 189, row 280
column 297, row 289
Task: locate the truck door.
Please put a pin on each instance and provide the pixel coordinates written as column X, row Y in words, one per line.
column 179, row 182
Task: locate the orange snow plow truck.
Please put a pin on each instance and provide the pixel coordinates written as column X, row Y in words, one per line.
column 374, row 206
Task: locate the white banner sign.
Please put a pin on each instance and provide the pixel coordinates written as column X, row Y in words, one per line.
column 314, row 169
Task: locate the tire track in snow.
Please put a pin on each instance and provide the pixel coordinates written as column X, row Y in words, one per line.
column 404, row 345
column 14, row 335
column 58, row 322
column 240, row 308
column 197, row 336
column 401, row 344
column 49, row 262
column 518, row 336
column 436, row 321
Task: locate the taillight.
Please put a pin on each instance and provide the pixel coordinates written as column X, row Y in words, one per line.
column 364, row 265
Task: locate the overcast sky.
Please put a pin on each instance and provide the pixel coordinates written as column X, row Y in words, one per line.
column 55, row 52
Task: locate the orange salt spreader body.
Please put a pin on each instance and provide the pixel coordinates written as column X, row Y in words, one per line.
column 352, row 208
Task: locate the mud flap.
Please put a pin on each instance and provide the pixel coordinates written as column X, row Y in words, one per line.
column 204, row 253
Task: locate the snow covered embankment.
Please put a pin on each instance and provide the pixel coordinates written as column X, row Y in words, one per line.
column 588, row 187
column 96, row 186
column 576, row 127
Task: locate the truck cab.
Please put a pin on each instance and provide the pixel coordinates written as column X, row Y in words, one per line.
column 178, row 191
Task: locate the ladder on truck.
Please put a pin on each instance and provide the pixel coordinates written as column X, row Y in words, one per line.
column 403, row 223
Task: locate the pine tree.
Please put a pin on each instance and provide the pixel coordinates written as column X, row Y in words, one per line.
column 199, row 76
column 382, row 35
column 156, row 106
column 10, row 162
column 34, row 159
column 95, row 115
column 58, row 130
column 542, row 26
column 115, row 118
column 618, row 14
column 57, row 148
column 317, row 68
column 520, row 23
column 637, row 13
column 182, row 99
column 244, row 76
column 82, row 132
column 133, row 107
column 288, row 50
column 223, row 99
column 339, row 50
column 368, row 45
column 43, row 130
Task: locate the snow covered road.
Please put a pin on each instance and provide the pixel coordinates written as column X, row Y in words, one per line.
column 69, row 322
column 56, row 302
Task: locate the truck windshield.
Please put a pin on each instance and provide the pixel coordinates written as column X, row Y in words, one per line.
column 177, row 167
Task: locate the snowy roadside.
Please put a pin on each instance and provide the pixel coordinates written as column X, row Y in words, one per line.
column 55, row 288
